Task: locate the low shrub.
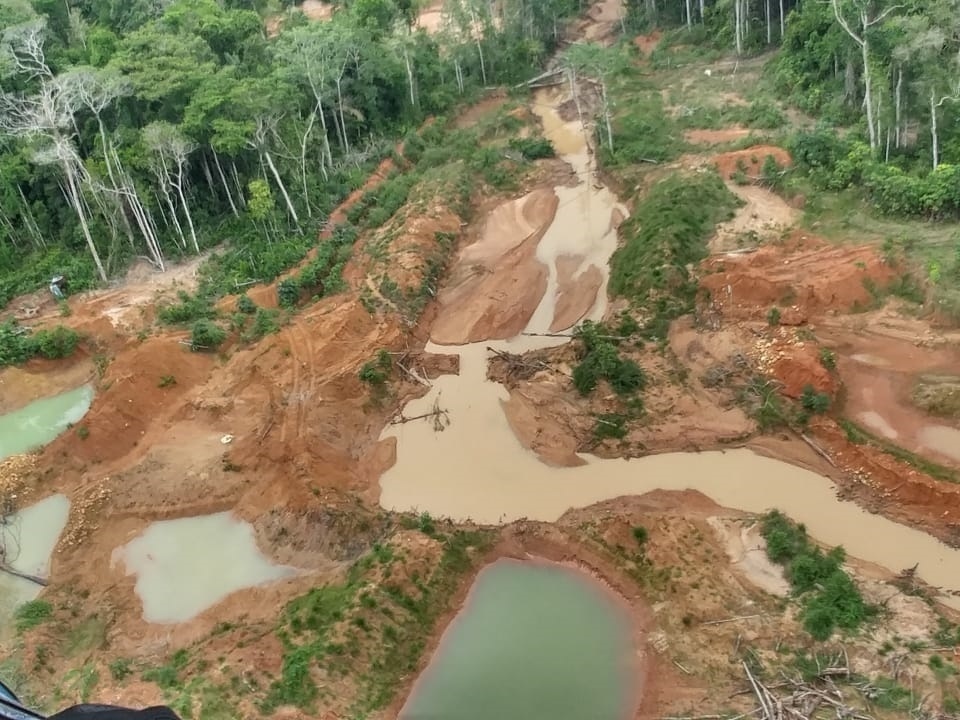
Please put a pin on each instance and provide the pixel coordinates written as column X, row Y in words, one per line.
column 829, row 598
column 664, row 237
column 206, row 335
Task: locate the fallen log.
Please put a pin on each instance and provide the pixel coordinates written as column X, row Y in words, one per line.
column 42, row 582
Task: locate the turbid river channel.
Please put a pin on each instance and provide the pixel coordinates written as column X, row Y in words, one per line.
column 477, row 470
column 533, row 641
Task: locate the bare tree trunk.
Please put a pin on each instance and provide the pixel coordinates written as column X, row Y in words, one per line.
column 689, row 9
column 78, row 207
column 226, row 185
column 783, row 21
column 738, row 40
column 413, row 92
column 343, row 124
column 897, row 103
column 766, row 7
column 934, row 136
column 283, row 189
column 303, row 162
column 868, row 92
column 208, row 176
column 186, row 207
column 242, row 199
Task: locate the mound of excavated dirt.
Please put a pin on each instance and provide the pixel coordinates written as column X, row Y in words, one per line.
column 804, row 272
column 646, row 44
column 750, row 161
column 763, row 216
column 130, row 399
column 497, row 282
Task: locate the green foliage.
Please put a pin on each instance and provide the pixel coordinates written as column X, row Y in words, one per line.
column 610, row 425
column 245, row 305
column 773, row 316
column 829, row 598
column 640, row 534
column 18, row 344
column 187, row 309
column 375, row 372
column 600, row 360
column 265, row 322
column 532, row 148
column 167, row 381
column 813, row 401
column 666, row 234
column 206, row 336
column 31, row 614
column 120, row 669
column 828, row 358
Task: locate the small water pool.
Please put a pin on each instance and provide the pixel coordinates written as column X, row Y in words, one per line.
column 533, row 642
column 30, row 537
column 185, row 566
column 41, row 421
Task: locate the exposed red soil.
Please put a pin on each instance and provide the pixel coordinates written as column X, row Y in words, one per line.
column 751, row 160
column 646, row 44
column 803, row 272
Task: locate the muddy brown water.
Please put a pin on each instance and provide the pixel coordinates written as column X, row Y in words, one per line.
column 477, row 470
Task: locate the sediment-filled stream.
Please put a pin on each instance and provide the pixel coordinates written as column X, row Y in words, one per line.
column 477, row 470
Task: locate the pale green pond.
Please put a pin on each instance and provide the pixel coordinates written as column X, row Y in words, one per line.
column 533, row 642
column 41, row 421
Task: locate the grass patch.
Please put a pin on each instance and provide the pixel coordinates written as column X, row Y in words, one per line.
column 856, row 434
column 663, row 238
column 600, row 360
column 373, row 625
column 829, row 598
column 31, row 614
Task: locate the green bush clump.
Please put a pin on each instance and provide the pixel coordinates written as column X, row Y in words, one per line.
column 245, row 305
column 32, row 613
column 264, row 323
column 829, row 597
column 288, row 292
column 55, row 343
column 600, row 360
column 828, row 358
column 664, row 237
column 19, row 344
column 187, row 309
column 206, row 335
column 532, row 148
column 813, row 401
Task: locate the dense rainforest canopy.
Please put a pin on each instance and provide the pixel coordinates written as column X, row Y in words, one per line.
column 157, row 128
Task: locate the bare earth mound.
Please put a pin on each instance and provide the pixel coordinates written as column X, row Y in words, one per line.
column 497, row 282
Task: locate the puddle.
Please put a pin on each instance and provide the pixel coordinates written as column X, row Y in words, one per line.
column 534, row 641
column 877, row 423
column 942, row 439
column 185, row 566
column 477, row 470
column 42, row 420
column 29, row 539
